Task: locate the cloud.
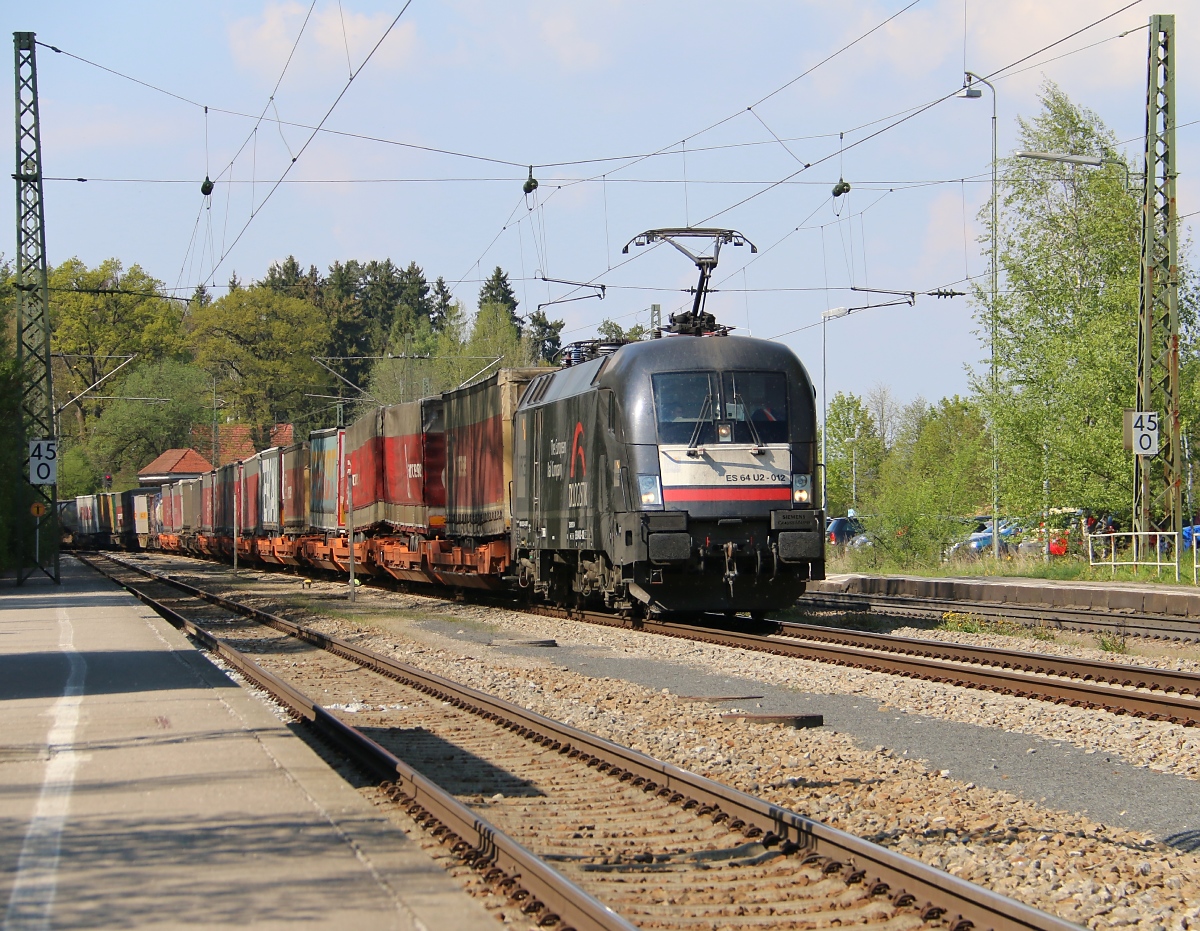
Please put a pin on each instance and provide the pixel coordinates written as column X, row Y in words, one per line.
column 335, row 38
column 949, row 230
column 561, row 30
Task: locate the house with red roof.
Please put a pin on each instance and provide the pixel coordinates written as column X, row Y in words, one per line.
column 234, row 441
column 173, row 466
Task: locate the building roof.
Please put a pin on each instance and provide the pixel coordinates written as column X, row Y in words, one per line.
column 235, row 442
column 173, row 464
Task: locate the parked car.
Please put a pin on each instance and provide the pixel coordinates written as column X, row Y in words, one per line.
column 841, row 530
column 980, row 539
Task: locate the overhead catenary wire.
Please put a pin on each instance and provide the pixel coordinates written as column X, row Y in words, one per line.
column 224, row 252
column 312, row 136
column 631, row 157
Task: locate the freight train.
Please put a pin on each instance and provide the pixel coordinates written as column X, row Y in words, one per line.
column 670, row 475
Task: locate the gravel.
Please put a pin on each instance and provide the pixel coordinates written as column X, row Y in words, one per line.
column 1066, row 862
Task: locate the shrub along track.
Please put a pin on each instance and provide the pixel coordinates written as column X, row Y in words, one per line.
column 509, row 791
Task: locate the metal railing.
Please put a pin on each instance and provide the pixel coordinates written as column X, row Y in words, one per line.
column 1159, row 549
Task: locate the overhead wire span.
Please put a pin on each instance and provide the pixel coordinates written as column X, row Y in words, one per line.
column 917, row 112
column 631, row 157
column 313, row 135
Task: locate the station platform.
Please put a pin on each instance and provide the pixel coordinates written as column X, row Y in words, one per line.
column 140, row 787
column 1166, row 600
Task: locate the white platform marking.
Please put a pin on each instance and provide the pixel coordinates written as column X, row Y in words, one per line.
column 32, row 898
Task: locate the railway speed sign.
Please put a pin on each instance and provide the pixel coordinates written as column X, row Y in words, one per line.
column 1145, row 433
column 43, row 462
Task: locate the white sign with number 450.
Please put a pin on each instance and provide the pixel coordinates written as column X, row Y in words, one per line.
column 1145, row 433
column 43, row 462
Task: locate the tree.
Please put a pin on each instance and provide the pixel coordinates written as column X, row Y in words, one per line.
column 1067, row 317
column 934, row 475
column 350, row 330
column 201, row 297
column 493, row 333
column 440, row 304
column 853, row 453
column 497, row 291
column 129, row 434
column 100, row 314
column 287, row 277
column 611, row 331
column 886, row 410
column 15, row 530
column 260, row 345
column 545, row 336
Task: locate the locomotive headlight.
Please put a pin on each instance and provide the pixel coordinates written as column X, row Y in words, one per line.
column 724, row 432
column 801, row 489
column 650, row 491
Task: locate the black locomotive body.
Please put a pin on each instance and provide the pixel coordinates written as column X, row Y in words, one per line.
column 676, row 474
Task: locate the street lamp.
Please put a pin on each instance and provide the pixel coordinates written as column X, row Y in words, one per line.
column 971, row 92
column 1091, row 161
column 832, row 314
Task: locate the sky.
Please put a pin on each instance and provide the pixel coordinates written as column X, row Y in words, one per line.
column 634, row 115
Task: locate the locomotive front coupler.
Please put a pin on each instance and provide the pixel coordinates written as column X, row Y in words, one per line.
column 731, row 570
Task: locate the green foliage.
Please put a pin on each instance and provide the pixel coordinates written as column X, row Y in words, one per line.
column 260, row 344
column 14, row 490
column 439, row 304
column 129, row 434
column 76, row 473
column 966, row 623
column 545, row 337
column 493, row 333
column 1067, row 317
column 90, row 329
column 496, row 291
column 1113, row 643
column 612, row 331
column 853, row 455
column 929, row 481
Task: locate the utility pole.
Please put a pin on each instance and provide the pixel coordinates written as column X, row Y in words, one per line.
column 33, row 316
column 1158, row 308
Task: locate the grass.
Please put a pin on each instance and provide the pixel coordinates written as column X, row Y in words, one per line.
column 1059, row 569
column 966, row 623
column 1114, row 643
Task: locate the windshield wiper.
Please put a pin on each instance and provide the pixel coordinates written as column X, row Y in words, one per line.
column 758, row 443
column 694, row 442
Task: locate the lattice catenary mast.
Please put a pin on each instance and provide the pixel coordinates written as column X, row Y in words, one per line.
column 33, row 305
column 1158, row 310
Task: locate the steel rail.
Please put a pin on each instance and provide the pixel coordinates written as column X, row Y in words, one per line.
column 905, row 881
column 543, row 892
column 1131, row 676
column 1161, row 626
column 1156, row 706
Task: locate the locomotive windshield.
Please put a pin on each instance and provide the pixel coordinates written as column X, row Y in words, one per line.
column 703, row 408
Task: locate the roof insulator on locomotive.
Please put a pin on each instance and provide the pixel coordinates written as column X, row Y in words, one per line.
column 530, row 184
column 587, row 349
column 842, row 187
column 206, row 186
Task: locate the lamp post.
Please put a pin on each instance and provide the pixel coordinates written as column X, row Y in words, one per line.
column 1091, row 161
column 832, row 314
column 971, row 92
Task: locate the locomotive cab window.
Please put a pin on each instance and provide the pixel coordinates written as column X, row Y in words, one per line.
column 698, row 408
column 756, row 405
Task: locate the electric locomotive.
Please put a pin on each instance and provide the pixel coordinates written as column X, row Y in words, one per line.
column 675, row 474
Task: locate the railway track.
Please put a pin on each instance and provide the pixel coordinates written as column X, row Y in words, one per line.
column 1157, row 626
column 580, row 832
column 1143, row 691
